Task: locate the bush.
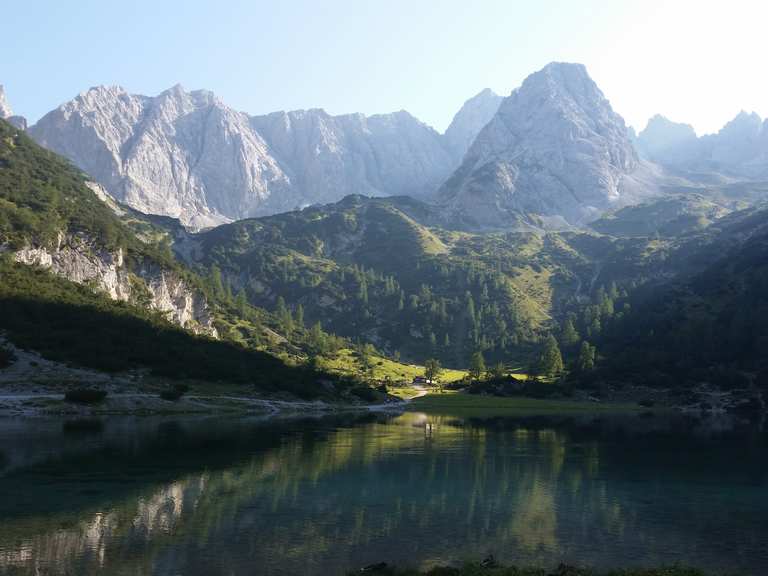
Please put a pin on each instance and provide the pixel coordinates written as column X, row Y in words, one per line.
column 365, row 393
column 175, row 393
column 7, row 357
column 85, row 396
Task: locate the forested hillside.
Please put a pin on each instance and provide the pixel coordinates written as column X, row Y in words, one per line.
column 82, row 284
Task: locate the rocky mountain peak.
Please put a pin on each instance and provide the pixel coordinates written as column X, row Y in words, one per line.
column 5, row 108
column 662, row 138
column 554, row 149
column 469, row 120
column 7, row 114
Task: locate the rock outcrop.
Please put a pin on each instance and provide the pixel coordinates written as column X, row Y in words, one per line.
column 187, row 155
column 79, row 260
column 554, row 155
column 7, row 114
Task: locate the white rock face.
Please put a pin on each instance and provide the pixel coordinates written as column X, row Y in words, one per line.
column 469, row 120
column 7, row 114
column 179, row 154
column 555, row 154
column 5, row 109
column 187, row 155
column 80, row 261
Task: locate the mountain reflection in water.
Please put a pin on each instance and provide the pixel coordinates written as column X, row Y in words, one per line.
column 323, row 496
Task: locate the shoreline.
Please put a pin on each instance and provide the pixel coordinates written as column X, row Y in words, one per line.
column 145, row 404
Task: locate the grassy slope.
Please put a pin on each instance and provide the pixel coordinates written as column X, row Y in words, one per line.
column 478, row 570
column 345, row 362
column 457, row 404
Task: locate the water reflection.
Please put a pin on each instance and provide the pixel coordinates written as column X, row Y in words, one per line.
column 145, row 496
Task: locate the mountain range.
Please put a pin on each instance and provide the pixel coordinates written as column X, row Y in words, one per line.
column 738, row 151
column 551, row 155
column 188, row 155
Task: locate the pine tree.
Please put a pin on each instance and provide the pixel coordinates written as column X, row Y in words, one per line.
column 587, row 355
column 284, row 316
column 551, row 360
column 432, row 369
column 570, row 337
column 299, row 318
column 477, row 365
column 216, row 282
column 242, row 304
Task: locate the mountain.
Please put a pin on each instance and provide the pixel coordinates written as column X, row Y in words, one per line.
column 7, row 114
column 705, row 326
column 555, row 154
column 665, row 141
column 739, row 150
column 89, row 284
column 469, row 120
column 188, row 155
column 179, row 154
column 328, row 157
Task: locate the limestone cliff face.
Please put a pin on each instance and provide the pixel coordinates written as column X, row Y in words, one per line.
column 180, row 154
column 79, row 260
column 329, row 157
column 187, row 155
column 554, row 153
column 7, row 114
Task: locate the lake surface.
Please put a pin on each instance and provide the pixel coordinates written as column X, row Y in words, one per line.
column 231, row 496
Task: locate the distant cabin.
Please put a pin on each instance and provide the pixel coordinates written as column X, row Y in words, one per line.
column 421, row 380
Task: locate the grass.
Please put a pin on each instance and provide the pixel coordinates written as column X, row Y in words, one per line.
column 479, row 570
column 458, row 404
column 345, row 363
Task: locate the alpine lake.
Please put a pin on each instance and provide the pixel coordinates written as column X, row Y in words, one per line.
column 242, row 495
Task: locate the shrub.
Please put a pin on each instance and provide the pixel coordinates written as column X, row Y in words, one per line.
column 175, row 393
column 85, row 395
column 7, row 357
column 365, row 393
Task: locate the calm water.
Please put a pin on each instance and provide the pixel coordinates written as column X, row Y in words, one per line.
column 237, row 496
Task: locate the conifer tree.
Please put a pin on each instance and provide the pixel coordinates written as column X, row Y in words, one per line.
column 551, row 360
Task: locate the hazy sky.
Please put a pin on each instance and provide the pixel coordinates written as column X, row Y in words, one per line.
column 694, row 61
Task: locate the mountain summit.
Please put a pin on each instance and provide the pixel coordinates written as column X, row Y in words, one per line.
column 555, row 154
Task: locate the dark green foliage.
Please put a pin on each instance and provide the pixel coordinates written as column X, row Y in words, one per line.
column 42, row 195
column 570, row 337
column 477, row 365
column 69, row 323
column 487, row 568
column 711, row 326
column 432, row 369
column 550, row 360
column 174, row 393
column 85, row 396
column 365, row 393
column 587, row 356
column 7, row 357
column 368, row 267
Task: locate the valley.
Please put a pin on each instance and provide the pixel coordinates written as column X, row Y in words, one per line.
column 322, row 342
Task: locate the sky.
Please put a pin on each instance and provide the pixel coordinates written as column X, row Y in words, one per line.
column 698, row 62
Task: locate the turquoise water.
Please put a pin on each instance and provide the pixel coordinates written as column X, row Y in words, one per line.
column 231, row 496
